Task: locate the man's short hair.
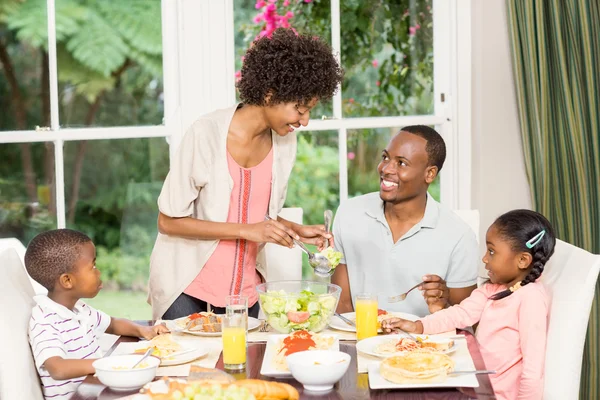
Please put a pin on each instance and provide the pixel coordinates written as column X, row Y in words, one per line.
column 436, row 148
column 53, row 253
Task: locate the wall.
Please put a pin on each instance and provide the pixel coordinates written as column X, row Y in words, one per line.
column 499, row 177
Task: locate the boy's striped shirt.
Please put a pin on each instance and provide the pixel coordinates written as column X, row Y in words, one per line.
column 54, row 330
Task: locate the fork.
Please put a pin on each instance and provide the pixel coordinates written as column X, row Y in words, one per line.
column 401, row 297
column 264, row 327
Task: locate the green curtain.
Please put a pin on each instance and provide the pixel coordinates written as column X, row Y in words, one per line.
column 556, row 62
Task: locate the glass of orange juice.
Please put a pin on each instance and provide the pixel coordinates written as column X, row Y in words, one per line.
column 366, row 315
column 234, row 329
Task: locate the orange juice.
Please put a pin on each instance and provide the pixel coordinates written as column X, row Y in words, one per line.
column 366, row 317
column 234, row 346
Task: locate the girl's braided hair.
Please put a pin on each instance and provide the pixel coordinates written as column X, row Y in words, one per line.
column 518, row 227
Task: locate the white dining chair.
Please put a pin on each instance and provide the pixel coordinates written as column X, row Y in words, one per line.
column 284, row 263
column 570, row 276
column 18, row 375
column 14, row 243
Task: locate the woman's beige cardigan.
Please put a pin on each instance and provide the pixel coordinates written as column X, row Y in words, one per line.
column 199, row 186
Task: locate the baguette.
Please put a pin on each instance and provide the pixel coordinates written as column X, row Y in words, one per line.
column 265, row 390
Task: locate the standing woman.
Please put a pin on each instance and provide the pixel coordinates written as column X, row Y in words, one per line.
column 231, row 170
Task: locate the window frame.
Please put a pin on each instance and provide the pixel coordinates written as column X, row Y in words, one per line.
column 207, row 25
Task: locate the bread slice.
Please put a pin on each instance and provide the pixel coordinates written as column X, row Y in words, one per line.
column 439, row 345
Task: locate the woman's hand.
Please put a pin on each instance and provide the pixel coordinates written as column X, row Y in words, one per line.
column 269, row 231
column 314, row 234
column 395, row 325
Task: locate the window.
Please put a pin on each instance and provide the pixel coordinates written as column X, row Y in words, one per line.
column 95, row 96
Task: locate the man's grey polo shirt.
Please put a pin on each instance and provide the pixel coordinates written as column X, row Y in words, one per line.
column 440, row 244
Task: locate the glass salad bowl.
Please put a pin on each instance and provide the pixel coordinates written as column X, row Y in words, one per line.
column 298, row 305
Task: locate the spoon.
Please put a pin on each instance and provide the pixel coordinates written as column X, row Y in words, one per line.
column 146, row 354
column 325, row 269
column 314, row 259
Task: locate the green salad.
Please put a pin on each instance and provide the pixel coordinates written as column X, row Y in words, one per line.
column 333, row 256
column 305, row 311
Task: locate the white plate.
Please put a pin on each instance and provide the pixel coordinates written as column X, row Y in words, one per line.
column 464, row 363
column 337, row 323
column 182, row 359
column 253, row 323
column 367, row 346
column 268, row 367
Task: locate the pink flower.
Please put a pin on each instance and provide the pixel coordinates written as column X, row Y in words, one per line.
column 286, row 3
column 308, row 1
column 377, row 83
column 351, row 156
column 271, row 7
column 351, row 100
column 418, row 26
column 238, row 74
column 259, row 4
column 258, row 19
column 289, row 14
column 375, row 63
column 412, row 30
column 243, row 58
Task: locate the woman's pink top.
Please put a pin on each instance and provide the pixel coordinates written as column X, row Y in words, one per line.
column 511, row 334
column 231, row 269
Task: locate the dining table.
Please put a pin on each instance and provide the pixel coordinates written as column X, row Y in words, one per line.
column 352, row 386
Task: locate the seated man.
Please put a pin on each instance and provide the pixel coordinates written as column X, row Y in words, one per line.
column 401, row 236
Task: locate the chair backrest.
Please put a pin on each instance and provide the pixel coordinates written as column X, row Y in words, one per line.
column 13, row 243
column 471, row 218
column 570, row 276
column 18, row 375
column 284, row 263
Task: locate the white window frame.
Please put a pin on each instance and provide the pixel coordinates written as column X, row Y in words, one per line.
column 198, row 70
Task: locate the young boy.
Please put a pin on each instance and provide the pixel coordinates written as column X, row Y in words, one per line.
column 63, row 330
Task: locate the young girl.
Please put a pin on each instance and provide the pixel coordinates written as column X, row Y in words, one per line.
column 511, row 308
column 231, row 170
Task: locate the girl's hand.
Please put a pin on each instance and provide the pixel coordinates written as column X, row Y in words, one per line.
column 395, row 325
column 314, row 234
column 148, row 332
column 269, row 231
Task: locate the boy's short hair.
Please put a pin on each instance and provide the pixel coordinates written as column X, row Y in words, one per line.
column 53, row 253
column 291, row 68
column 436, row 148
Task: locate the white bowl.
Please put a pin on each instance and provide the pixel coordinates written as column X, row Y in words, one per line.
column 114, row 372
column 318, row 370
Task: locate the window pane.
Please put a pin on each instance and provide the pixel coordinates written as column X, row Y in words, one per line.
column 314, row 182
column 364, row 154
column 306, row 17
column 387, row 55
column 111, row 191
column 24, row 87
column 109, row 63
column 27, row 191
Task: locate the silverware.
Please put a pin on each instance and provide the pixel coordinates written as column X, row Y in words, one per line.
column 180, row 353
column 480, row 371
column 346, row 320
column 146, row 354
column 316, row 260
column 401, row 297
column 264, row 326
column 324, row 269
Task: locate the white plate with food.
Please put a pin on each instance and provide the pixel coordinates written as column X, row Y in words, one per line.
column 274, row 364
column 421, row 370
column 339, row 324
column 204, row 324
column 389, row 345
column 171, row 351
